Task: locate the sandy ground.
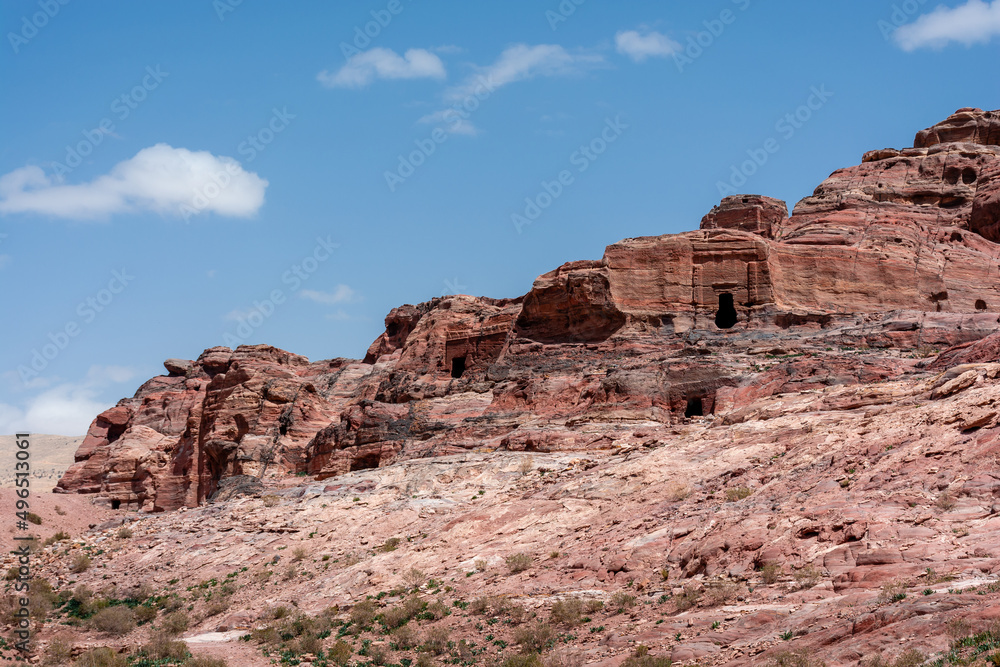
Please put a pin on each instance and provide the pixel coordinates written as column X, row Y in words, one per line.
column 71, row 513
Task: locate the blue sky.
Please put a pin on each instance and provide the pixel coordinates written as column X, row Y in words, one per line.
column 177, row 175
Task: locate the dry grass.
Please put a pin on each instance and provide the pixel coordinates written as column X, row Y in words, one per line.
column 80, row 563
column 621, row 601
column 534, row 638
column 739, row 493
column 116, row 621
column 519, row 562
column 567, row 612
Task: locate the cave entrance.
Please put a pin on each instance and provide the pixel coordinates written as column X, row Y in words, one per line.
column 115, row 504
column 457, row 367
column 980, row 304
column 365, row 462
column 726, row 317
column 695, row 408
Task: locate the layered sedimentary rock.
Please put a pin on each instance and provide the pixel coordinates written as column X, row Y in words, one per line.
column 896, row 255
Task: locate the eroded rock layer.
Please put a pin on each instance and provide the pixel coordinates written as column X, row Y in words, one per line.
column 895, row 256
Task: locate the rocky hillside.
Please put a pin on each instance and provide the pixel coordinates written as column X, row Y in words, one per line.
column 774, row 435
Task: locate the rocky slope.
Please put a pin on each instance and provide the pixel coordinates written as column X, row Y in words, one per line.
column 776, row 432
column 897, row 253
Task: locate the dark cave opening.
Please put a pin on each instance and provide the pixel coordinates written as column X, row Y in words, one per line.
column 694, row 408
column 115, row 504
column 726, row 317
column 365, row 462
column 457, row 367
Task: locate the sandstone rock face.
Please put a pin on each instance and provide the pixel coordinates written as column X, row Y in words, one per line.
column 885, row 262
column 747, row 213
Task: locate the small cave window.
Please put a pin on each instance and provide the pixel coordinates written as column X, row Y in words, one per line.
column 115, row 504
column 726, row 317
column 980, row 304
column 457, row 367
column 969, row 176
column 365, row 462
column 694, row 408
column 956, row 237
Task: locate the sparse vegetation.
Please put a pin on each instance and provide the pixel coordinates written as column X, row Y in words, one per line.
column 688, row 599
column 800, row 658
column 641, row 658
column 101, row 657
column 739, row 493
column 518, row 562
column 80, row 563
column 807, row 577
column 945, row 502
column 118, row 620
column 175, row 622
column 621, row 601
column 567, row 612
column 770, row 573
column 911, row 658
column 892, row 591
column 721, row 592
column 534, row 638
column 124, row 533
column 55, row 539
column 270, row 500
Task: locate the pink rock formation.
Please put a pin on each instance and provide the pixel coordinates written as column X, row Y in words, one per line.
column 898, row 253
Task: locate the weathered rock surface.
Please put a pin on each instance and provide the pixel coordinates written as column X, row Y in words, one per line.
column 897, row 254
column 751, row 428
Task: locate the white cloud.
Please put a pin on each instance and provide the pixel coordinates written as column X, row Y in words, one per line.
column 67, row 408
column 972, row 23
column 381, row 63
column 161, row 179
column 456, row 124
column 640, row 46
column 521, row 62
column 342, row 294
